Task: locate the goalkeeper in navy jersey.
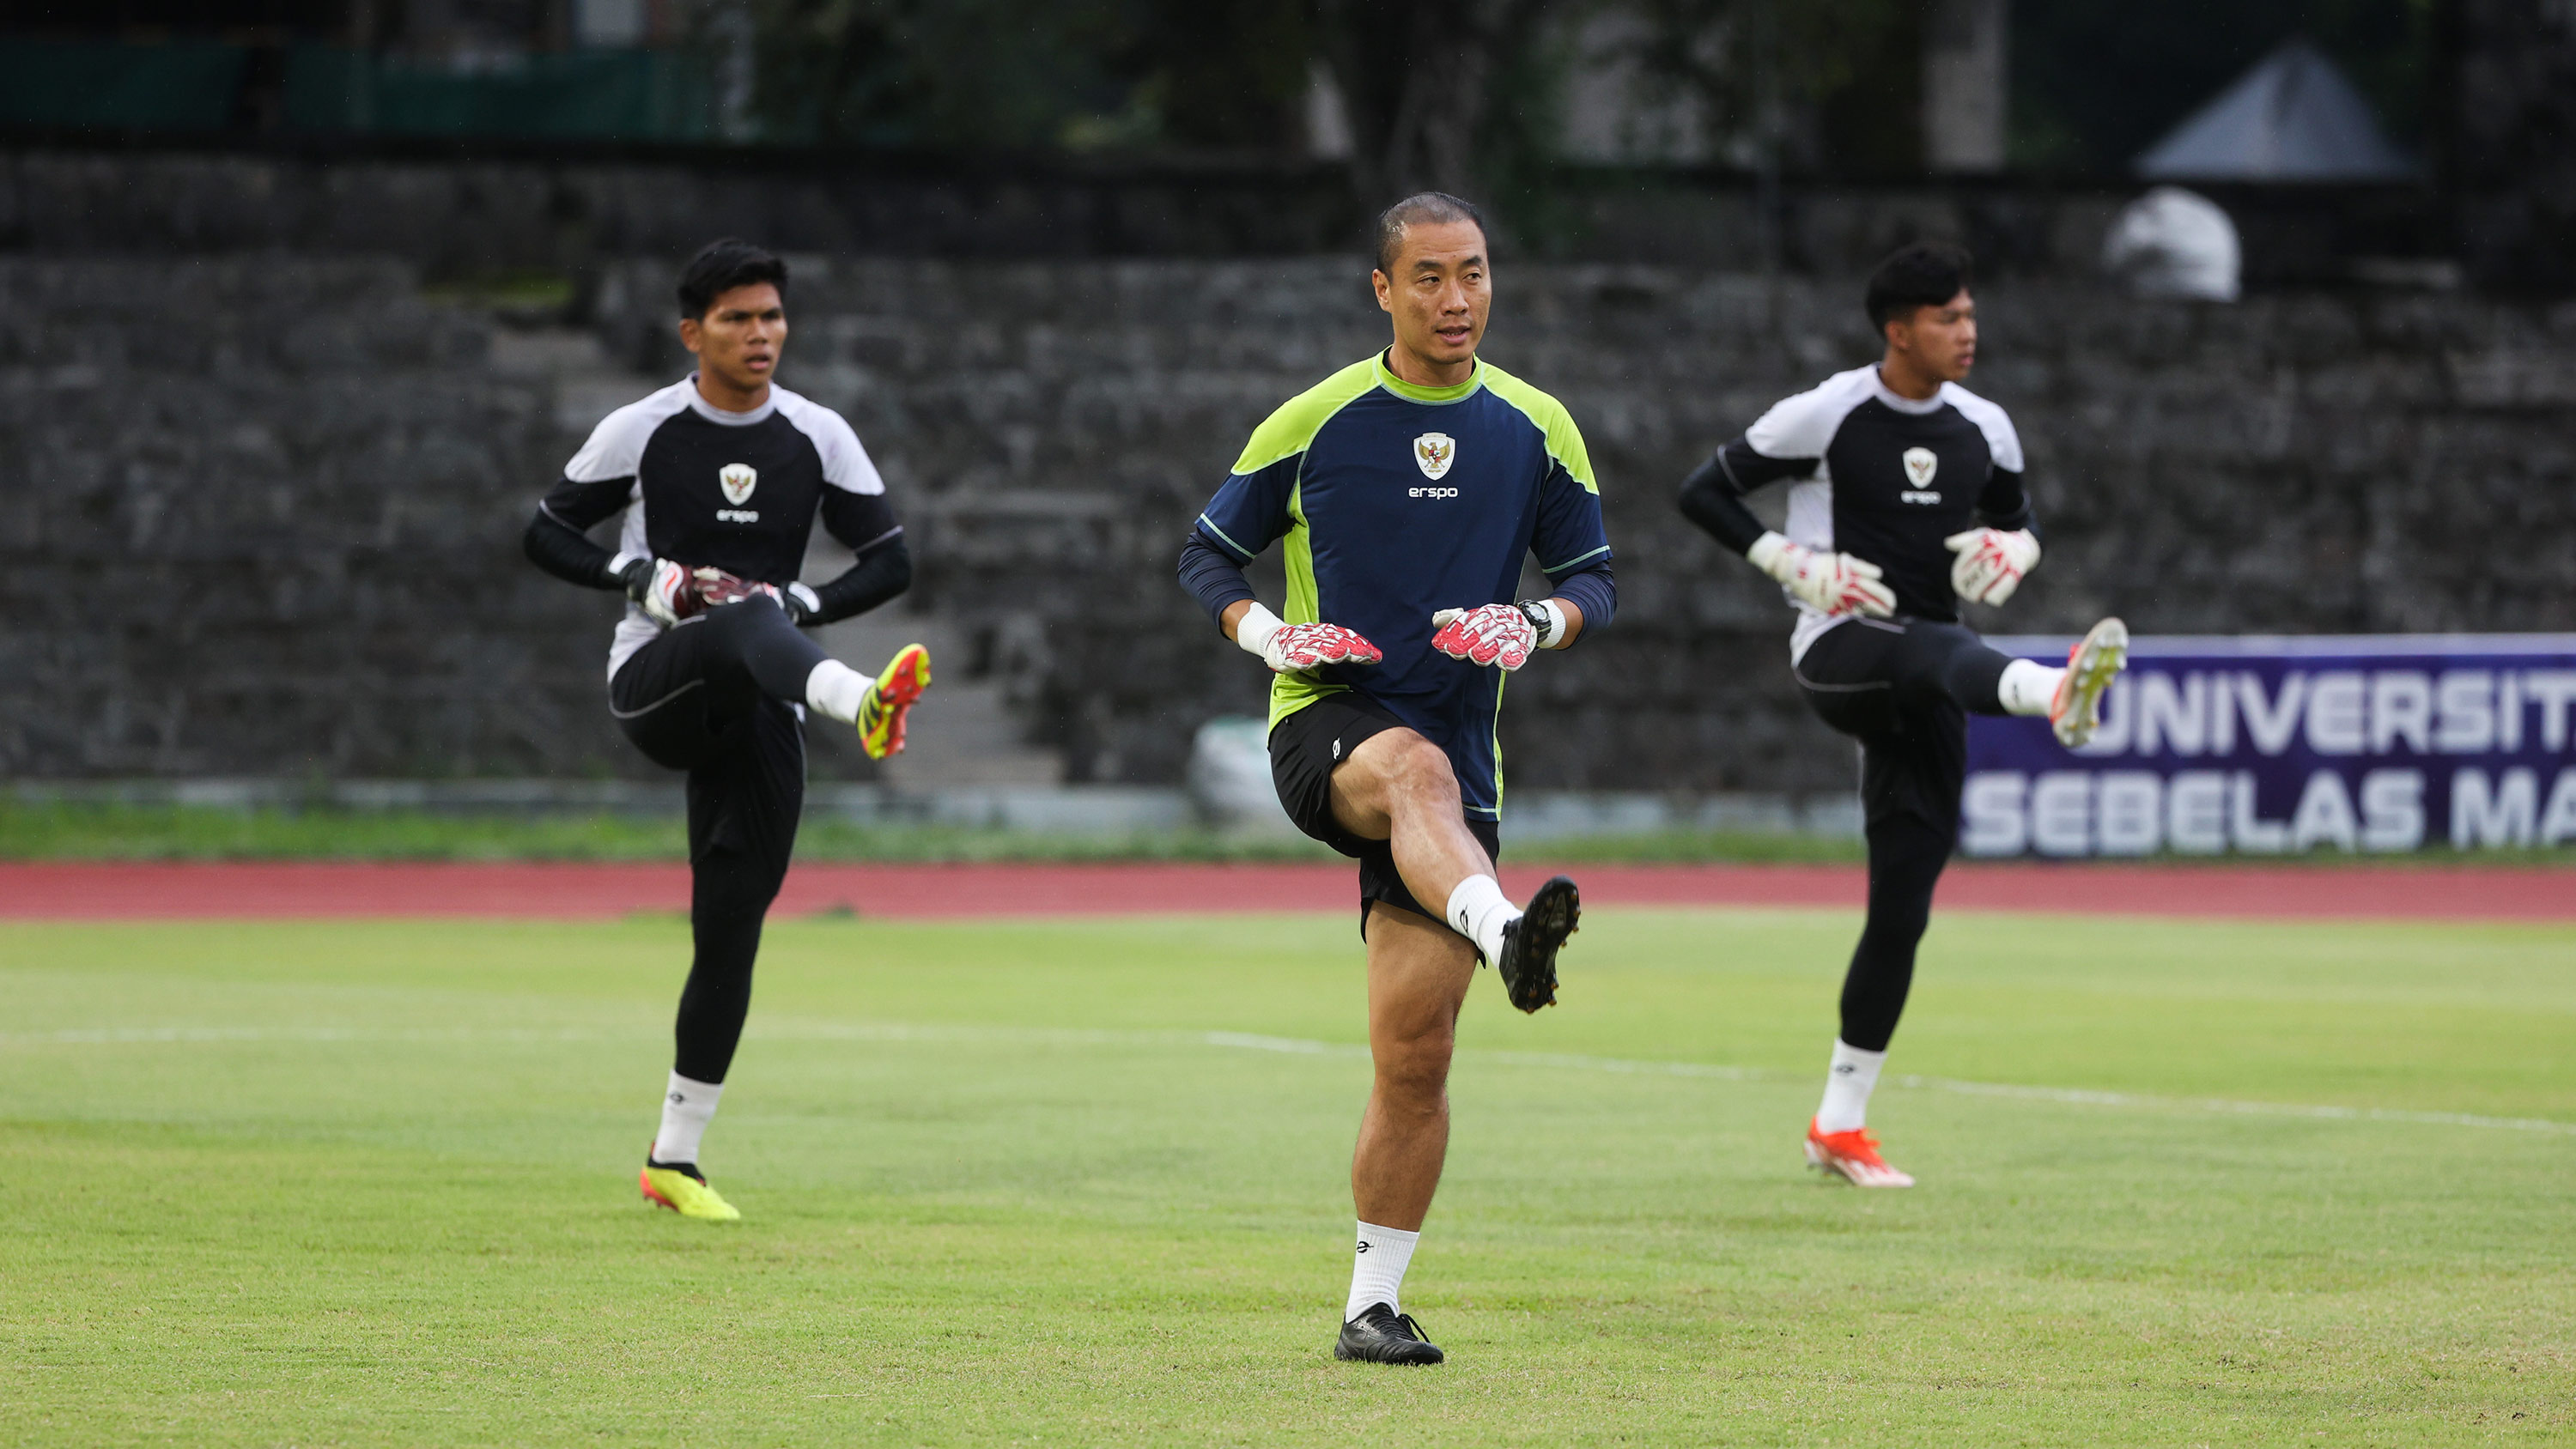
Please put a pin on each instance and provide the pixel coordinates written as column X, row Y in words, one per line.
column 1905, row 498
column 1406, row 490
column 720, row 478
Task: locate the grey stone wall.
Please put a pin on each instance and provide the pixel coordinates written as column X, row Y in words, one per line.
column 264, row 513
column 573, row 216
column 262, row 517
column 2511, row 139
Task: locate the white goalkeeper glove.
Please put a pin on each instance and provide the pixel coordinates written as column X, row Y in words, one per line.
column 1991, row 562
column 1834, row 583
column 1288, row 648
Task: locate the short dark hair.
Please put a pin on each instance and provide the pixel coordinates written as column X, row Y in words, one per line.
column 1918, row 274
column 1430, row 206
column 722, row 265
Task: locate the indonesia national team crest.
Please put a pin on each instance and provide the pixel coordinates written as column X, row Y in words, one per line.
column 1920, row 465
column 738, row 479
column 1434, row 452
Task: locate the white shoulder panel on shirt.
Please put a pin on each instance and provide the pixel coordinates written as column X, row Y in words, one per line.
column 846, row 464
column 2001, row 440
column 1804, row 426
column 618, row 442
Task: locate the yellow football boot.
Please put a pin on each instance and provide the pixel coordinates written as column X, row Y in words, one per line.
column 687, row 1194
column 895, row 692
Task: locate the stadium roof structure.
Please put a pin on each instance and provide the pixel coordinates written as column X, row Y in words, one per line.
column 2293, row 117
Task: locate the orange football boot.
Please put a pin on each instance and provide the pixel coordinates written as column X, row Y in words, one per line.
column 1851, row 1156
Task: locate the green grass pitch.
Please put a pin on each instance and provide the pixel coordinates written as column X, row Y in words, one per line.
column 1085, row 1183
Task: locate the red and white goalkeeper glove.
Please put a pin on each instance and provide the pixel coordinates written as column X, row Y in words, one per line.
column 667, row 592
column 1835, row 583
column 1991, row 562
column 1288, row 648
column 717, row 587
column 1491, row 634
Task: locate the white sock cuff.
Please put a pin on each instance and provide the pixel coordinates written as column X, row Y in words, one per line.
column 837, row 690
column 1861, row 1064
column 2027, row 687
column 1372, row 1233
column 1478, row 910
column 1377, row 1269
column 688, row 1105
column 696, row 1090
column 1850, row 1079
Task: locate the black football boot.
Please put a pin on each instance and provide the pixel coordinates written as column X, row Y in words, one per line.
column 1382, row 1335
column 1530, row 944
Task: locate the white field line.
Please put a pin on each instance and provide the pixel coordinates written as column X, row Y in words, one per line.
column 147, row 1035
column 1290, row 1046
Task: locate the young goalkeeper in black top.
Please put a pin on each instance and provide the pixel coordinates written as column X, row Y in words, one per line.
column 1905, row 497
column 721, row 476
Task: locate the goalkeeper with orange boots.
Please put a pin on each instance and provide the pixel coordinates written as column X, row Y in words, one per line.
column 721, row 477
column 1905, row 498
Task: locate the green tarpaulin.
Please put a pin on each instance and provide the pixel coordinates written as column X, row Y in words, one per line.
column 630, row 95
column 179, row 86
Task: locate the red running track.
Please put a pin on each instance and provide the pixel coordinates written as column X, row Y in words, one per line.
column 582, row 892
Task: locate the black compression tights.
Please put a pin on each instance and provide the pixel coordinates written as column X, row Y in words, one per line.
column 1905, row 860
column 729, row 895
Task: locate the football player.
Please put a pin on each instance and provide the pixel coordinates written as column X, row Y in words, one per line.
column 720, row 478
column 1905, row 498
column 1406, row 490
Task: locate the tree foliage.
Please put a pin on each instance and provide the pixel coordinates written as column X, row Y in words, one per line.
column 1029, row 74
column 1468, row 94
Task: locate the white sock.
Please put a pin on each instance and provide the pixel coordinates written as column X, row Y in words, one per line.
column 2027, row 688
column 687, row 1107
column 837, row 690
column 1377, row 1271
column 1478, row 910
column 1847, row 1086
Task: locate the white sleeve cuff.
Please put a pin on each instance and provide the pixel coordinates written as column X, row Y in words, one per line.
column 1254, row 630
column 1766, row 552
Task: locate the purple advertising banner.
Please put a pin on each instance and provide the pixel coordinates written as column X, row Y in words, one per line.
column 2265, row 746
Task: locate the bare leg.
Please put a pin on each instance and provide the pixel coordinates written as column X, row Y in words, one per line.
column 1418, row 972
column 1398, row 787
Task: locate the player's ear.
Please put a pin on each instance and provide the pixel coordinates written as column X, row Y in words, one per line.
column 690, row 333
column 1379, row 284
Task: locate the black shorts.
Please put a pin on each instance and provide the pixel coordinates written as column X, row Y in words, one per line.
column 1895, row 685
column 1305, row 749
column 688, row 703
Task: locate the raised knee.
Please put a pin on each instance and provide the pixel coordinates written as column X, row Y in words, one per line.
column 1422, row 766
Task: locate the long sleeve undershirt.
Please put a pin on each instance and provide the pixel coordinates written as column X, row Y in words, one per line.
column 1713, row 495
column 555, row 542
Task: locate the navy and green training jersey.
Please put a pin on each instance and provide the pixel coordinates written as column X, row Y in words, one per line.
column 1396, row 502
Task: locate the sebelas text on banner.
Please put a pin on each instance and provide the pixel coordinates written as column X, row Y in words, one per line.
column 2267, row 746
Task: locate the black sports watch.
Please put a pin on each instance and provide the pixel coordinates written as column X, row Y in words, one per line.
column 1545, row 620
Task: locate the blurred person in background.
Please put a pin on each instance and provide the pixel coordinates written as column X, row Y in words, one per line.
column 721, row 477
column 1905, row 498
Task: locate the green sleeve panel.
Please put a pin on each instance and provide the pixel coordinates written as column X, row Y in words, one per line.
column 1564, row 440
column 1285, row 433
